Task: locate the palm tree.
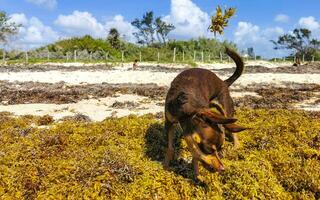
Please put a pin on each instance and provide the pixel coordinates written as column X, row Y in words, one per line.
column 163, row 29
column 7, row 28
column 114, row 38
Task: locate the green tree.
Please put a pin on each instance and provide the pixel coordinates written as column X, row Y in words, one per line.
column 299, row 41
column 146, row 29
column 163, row 29
column 114, row 38
column 7, row 28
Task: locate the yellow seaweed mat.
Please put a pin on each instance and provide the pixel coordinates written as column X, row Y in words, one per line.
column 121, row 159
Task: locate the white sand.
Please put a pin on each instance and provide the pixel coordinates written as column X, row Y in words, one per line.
column 243, row 94
column 309, row 104
column 279, row 79
column 99, row 109
column 213, row 65
column 143, row 77
column 96, row 109
column 78, row 77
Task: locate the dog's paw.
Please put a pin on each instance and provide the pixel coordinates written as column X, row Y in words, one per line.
column 237, row 145
column 200, row 181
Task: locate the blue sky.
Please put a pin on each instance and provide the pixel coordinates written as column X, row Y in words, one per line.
column 255, row 23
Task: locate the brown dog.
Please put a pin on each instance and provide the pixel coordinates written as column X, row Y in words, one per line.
column 189, row 101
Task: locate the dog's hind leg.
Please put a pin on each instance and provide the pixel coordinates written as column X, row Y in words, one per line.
column 226, row 101
column 169, row 131
column 235, row 139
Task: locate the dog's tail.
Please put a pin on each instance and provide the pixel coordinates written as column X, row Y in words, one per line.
column 240, row 66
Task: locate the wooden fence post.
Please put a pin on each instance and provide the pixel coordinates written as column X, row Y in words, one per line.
column 174, row 55
column 122, row 56
column 140, row 56
column 312, row 58
column 194, row 56
column 220, row 56
column 75, row 56
column 27, row 57
column 158, row 56
column 202, row 57
column 48, row 56
column 182, row 56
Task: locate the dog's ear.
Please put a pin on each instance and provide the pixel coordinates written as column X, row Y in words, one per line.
column 234, row 128
column 218, row 107
column 208, row 115
column 197, row 120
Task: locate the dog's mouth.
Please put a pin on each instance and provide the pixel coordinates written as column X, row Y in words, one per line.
column 213, row 163
column 213, row 168
column 208, row 167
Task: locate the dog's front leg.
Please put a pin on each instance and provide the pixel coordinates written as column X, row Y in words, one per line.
column 195, row 163
column 197, row 155
column 169, row 130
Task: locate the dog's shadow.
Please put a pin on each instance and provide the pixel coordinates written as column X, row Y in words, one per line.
column 156, row 144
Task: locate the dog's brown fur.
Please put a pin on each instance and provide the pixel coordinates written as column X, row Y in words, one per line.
column 188, row 103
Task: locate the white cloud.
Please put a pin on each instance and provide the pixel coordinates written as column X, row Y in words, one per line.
column 82, row 23
column 44, row 3
column 246, row 32
column 188, row 18
column 282, row 18
column 125, row 28
column 32, row 33
column 249, row 35
column 272, row 32
column 309, row 22
column 19, row 18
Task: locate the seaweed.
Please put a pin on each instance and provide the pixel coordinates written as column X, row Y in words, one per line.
column 122, row 158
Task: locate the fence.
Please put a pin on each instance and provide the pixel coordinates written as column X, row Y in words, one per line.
column 125, row 56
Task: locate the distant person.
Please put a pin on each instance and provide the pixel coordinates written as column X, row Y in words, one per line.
column 135, row 64
column 298, row 62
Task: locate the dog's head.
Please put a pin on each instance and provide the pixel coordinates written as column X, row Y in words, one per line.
column 210, row 127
